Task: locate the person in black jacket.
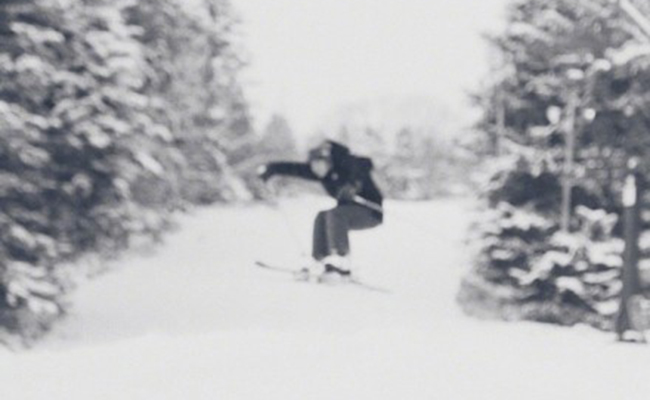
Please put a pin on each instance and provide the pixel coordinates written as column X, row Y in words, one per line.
column 347, row 178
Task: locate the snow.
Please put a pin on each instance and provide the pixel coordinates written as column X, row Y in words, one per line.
column 37, row 34
column 194, row 319
column 628, row 52
column 523, row 29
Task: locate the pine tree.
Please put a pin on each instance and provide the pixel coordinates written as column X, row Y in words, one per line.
column 103, row 118
column 197, row 93
column 74, row 136
column 568, row 68
column 278, row 141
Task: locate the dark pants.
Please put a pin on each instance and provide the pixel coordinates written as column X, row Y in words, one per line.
column 332, row 226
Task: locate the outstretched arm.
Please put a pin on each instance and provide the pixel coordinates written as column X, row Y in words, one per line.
column 296, row 170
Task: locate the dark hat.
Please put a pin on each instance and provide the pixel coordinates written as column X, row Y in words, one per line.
column 322, row 152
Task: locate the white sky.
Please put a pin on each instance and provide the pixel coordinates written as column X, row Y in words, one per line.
column 309, row 57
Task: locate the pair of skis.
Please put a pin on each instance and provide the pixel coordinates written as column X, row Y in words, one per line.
column 293, row 272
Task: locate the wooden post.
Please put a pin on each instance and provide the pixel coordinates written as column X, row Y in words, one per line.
column 632, row 195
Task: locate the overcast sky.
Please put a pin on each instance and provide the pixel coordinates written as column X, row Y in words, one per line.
column 309, row 57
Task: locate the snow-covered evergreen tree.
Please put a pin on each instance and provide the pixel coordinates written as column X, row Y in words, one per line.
column 101, row 126
column 75, row 130
column 278, row 141
column 567, row 68
column 192, row 45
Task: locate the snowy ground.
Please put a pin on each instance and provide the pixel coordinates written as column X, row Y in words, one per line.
column 196, row 320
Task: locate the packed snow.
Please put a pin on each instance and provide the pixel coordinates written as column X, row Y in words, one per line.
column 195, row 319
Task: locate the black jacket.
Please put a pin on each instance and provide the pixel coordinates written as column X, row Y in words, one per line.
column 348, row 177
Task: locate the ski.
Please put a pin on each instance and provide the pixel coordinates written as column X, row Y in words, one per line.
column 294, row 271
column 370, row 287
column 264, row 265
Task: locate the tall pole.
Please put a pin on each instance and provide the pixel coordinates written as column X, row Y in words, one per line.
column 632, row 199
column 569, row 162
column 632, row 195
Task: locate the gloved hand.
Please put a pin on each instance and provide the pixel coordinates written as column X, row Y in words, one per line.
column 347, row 192
column 263, row 173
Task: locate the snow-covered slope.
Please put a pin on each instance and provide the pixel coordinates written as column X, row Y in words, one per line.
column 196, row 320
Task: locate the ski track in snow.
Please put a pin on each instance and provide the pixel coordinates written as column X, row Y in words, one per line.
column 197, row 320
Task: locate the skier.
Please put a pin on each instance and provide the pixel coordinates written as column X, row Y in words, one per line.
column 347, row 178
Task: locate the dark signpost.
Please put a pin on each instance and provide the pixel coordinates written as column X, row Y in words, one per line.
column 632, row 195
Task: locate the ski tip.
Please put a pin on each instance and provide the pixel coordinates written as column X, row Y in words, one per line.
column 262, row 264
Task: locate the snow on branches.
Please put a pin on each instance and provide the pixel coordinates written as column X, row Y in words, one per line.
column 112, row 113
column 565, row 110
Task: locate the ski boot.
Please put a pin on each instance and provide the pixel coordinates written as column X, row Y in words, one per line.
column 337, row 270
column 302, row 275
column 312, row 268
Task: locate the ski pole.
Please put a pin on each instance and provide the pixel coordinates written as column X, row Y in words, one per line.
column 285, row 218
column 376, row 207
column 367, row 203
